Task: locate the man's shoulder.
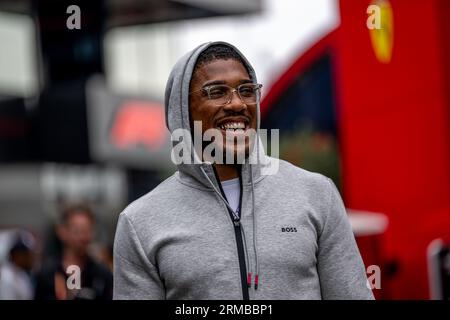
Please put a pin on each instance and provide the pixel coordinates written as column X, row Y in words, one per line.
column 292, row 174
column 300, row 185
column 162, row 195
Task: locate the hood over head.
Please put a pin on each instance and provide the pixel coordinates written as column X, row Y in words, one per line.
column 177, row 114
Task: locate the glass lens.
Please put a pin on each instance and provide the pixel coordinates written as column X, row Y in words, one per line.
column 218, row 92
column 248, row 93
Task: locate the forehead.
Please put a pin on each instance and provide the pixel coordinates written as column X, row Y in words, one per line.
column 78, row 217
column 228, row 71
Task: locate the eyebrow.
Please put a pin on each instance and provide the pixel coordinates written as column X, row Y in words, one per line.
column 215, row 82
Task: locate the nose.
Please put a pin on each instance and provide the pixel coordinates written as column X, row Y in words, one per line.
column 235, row 103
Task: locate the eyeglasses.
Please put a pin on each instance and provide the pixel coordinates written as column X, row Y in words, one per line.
column 222, row 94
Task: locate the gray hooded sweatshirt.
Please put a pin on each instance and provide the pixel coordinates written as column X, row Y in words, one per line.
column 183, row 241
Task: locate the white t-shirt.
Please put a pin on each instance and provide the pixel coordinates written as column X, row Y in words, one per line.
column 232, row 191
column 15, row 284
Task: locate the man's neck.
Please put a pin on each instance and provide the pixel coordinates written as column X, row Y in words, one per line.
column 227, row 172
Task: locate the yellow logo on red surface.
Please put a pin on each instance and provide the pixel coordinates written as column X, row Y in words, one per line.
column 381, row 28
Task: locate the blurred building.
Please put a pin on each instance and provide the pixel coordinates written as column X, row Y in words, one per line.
column 371, row 109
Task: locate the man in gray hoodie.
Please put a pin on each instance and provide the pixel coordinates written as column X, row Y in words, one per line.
column 219, row 230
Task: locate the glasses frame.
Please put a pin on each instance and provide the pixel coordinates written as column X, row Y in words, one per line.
column 207, row 89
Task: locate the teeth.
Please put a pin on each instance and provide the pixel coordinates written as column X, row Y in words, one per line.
column 233, row 126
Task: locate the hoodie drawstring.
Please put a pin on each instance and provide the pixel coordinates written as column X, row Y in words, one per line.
column 255, row 250
column 250, row 272
column 219, row 193
column 255, row 240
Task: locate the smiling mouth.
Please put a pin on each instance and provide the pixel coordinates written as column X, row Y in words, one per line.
column 234, row 126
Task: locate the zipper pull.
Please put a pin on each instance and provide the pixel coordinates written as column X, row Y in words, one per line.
column 249, row 279
column 256, row 281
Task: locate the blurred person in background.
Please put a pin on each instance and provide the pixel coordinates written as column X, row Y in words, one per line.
column 15, row 274
column 76, row 233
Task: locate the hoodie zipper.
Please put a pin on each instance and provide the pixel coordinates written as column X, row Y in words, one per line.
column 238, row 234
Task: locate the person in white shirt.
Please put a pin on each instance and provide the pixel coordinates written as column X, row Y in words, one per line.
column 15, row 280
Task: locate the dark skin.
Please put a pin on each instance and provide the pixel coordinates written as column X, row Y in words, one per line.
column 232, row 73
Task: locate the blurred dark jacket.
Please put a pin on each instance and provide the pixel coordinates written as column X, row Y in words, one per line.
column 96, row 281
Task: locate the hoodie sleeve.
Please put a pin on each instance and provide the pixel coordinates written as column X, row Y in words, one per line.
column 135, row 277
column 341, row 269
